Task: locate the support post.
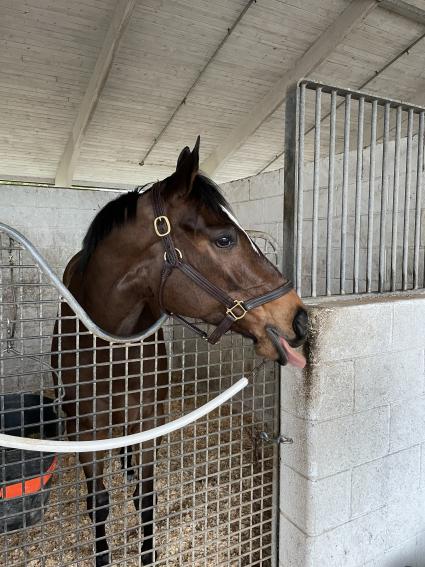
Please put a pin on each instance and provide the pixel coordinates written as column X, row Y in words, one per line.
column 71, row 152
column 290, row 183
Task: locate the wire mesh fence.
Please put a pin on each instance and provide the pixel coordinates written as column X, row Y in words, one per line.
column 204, row 495
column 359, row 206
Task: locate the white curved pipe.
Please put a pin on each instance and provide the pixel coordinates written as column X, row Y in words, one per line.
column 70, row 299
column 29, row 444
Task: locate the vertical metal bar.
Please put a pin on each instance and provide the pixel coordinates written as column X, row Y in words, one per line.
column 293, row 218
column 359, row 166
column 384, row 199
column 395, row 200
column 343, row 258
column 316, row 185
column 331, row 188
column 371, row 196
column 276, row 477
column 59, row 395
column 419, row 169
column 127, row 401
column 408, row 183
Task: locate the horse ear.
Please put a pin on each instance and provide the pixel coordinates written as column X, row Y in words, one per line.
column 183, row 155
column 187, row 169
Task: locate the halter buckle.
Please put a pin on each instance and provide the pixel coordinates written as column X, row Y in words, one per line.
column 179, row 255
column 238, row 303
column 157, row 222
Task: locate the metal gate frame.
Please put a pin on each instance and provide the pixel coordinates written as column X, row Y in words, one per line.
column 266, row 439
column 389, row 119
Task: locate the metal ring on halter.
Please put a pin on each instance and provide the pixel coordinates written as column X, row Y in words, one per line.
column 178, row 253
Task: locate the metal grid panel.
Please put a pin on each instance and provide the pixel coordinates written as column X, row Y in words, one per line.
column 214, row 480
column 359, row 205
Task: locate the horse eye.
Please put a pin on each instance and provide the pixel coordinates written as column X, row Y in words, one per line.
column 224, row 241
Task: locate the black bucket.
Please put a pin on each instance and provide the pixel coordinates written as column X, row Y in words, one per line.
column 25, row 476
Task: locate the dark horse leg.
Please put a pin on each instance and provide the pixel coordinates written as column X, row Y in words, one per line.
column 97, row 504
column 150, row 414
column 144, row 498
column 126, row 454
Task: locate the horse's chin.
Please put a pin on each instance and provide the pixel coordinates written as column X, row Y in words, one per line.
column 248, row 335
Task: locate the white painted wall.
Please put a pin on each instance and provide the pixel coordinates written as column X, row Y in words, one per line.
column 258, row 203
column 353, row 482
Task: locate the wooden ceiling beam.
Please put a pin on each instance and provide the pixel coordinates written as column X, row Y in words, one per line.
column 69, row 159
column 318, row 52
column 402, row 8
column 376, row 75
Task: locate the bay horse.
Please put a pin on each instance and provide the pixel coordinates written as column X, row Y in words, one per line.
column 173, row 247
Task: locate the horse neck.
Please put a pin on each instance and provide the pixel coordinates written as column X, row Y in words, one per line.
column 116, row 287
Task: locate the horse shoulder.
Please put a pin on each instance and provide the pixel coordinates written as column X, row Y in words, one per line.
column 71, row 276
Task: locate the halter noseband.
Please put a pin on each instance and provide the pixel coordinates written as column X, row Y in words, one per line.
column 236, row 309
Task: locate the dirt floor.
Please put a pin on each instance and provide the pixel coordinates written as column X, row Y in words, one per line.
column 214, row 487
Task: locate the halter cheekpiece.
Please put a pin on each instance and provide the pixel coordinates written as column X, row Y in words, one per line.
column 236, row 309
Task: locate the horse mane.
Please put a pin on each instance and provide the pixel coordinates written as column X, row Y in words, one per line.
column 124, row 208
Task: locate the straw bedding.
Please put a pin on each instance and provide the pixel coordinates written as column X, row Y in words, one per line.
column 214, row 487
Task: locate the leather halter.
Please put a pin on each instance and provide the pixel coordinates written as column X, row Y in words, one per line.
column 236, row 309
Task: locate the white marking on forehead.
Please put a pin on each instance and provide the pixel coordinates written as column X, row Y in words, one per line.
column 237, row 223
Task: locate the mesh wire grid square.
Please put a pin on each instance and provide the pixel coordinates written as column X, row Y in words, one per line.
column 205, row 495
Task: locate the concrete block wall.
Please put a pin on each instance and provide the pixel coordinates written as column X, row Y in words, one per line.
column 258, row 202
column 353, row 484
column 55, row 220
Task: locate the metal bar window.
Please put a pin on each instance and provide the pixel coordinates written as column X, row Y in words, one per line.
column 365, row 162
column 316, row 191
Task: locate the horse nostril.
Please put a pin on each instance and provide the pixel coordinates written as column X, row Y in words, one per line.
column 300, row 323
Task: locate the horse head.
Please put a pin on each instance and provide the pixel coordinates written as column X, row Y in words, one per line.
column 210, row 242
column 177, row 247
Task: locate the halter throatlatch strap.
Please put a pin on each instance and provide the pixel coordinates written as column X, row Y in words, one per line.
column 173, row 259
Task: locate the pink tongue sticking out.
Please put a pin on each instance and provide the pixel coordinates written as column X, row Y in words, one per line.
column 294, row 357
